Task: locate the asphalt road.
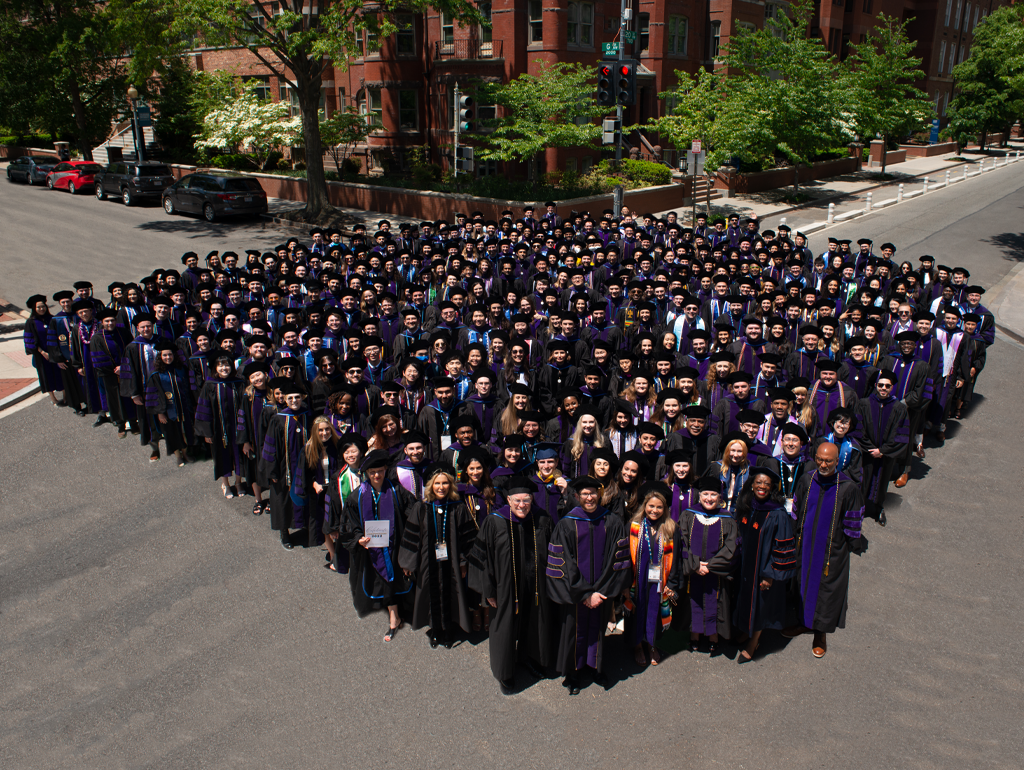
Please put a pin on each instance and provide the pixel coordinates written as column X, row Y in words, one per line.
column 147, row 622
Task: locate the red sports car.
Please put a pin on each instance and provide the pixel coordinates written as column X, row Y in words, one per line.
column 73, row 175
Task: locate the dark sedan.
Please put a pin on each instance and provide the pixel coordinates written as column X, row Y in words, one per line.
column 215, row 196
column 133, row 182
column 31, row 170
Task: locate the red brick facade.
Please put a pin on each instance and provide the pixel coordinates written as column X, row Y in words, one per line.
column 408, row 84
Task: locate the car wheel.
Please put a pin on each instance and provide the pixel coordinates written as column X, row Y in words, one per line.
column 71, row 188
column 209, row 213
column 168, row 205
column 126, row 196
column 30, row 179
column 49, row 182
column 100, row 194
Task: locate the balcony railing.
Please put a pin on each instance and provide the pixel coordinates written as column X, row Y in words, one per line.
column 467, row 48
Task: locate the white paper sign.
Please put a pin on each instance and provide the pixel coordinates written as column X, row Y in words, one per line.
column 379, row 533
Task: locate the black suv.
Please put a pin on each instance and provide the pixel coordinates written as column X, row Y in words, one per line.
column 133, row 182
column 215, row 195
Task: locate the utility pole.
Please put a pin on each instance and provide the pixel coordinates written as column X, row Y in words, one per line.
column 458, row 121
column 624, row 16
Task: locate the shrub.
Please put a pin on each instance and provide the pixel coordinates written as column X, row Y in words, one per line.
column 646, row 173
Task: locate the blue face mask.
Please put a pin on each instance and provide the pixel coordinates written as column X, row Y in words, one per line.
column 421, row 358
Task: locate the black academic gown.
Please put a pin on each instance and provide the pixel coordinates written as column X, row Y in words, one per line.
column 712, row 541
column 507, row 564
column 883, row 425
column 767, row 550
column 374, row 575
column 829, row 514
column 587, row 554
column 440, row 600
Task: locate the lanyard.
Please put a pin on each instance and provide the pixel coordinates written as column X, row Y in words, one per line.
column 444, row 523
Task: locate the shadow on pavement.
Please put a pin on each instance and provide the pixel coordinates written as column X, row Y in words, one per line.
column 197, row 228
column 1011, row 244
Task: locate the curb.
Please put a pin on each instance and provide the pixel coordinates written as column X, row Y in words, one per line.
column 18, row 397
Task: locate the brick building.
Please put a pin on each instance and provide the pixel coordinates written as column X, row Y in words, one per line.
column 406, row 88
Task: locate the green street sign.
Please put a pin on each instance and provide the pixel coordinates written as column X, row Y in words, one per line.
column 609, row 47
column 630, row 35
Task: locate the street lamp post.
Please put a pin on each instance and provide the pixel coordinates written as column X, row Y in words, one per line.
column 139, row 141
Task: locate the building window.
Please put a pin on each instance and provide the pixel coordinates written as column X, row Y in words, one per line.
column 536, row 21
column 956, row 19
column 949, row 10
column 359, row 43
column 942, row 56
column 486, row 32
column 408, row 110
column 447, row 31
column 867, row 6
column 405, row 37
column 486, row 114
column 967, row 17
column 570, row 165
column 290, row 96
column 961, row 55
column 486, row 168
column 373, row 109
column 678, row 28
column 945, row 104
column 714, row 39
column 643, row 35
column 588, row 164
column 976, row 9
column 260, row 84
column 580, row 24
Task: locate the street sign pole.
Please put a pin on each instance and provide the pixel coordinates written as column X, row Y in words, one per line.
column 455, row 154
column 618, row 107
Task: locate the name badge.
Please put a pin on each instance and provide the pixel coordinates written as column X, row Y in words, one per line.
column 654, row 573
column 446, row 441
column 789, row 505
column 441, row 551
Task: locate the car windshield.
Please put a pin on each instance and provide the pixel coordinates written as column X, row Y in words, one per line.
column 154, row 171
column 241, row 185
column 89, row 168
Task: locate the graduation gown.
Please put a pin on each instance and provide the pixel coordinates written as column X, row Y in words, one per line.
column 651, row 612
column 829, row 513
column 169, row 393
column 251, row 429
column 508, row 564
column 35, row 344
column 884, row 425
column 711, row 538
column 766, row 550
column 217, row 419
column 588, row 553
column 374, row 575
column 440, row 600
column 433, row 422
column 106, row 351
column 282, row 467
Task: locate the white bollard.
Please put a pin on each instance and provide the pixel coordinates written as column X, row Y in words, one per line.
column 925, row 188
column 965, row 172
column 899, row 193
column 981, row 166
column 947, row 178
column 1018, row 157
column 831, row 213
column 1006, row 159
column 782, row 221
column 867, row 202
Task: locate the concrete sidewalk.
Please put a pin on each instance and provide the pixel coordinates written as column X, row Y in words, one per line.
column 18, row 379
column 849, row 191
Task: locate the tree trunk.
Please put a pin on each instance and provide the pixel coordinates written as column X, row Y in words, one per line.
column 796, row 178
column 983, row 140
column 80, row 120
column 885, row 147
column 317, row 202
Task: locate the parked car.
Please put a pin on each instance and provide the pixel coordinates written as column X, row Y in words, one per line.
column 73, row 175
column 27, row 169
column 133, row 182
column 215, row 196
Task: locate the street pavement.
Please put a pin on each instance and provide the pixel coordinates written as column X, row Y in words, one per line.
column 147, row 622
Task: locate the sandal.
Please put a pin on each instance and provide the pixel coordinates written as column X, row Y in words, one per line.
column 228, row 492
column 330, row 565
column 391, row 632
column 257, row 510
column 655, row 656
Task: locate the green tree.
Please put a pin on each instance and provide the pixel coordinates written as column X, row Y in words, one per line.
column 250, row 125
column 554, row 108
column 297, row 40
column 881, row 71
column 789, row 89
column 340, row 132
column 990, row 82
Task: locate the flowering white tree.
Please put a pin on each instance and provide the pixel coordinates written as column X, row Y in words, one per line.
column 250, row 125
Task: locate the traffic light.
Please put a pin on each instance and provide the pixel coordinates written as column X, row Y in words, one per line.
column 464, row 159
column 466, row 122
column 605, row 85
column 626, row 82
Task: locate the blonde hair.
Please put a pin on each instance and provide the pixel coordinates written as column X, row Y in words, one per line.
column 428, row 487
column 807, row 416
column 576, row 447
column 315, row 448
column 629, row 394
column 665, row 527
column 509, row 421
column 726, row 463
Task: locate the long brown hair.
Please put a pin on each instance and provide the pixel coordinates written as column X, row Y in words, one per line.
column 378, row 440
column 665, row 527
column 315, row 448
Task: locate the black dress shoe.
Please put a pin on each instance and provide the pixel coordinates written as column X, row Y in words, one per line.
column 601, row 678
column 881, row 518
column 713, row 648
column 434, row 641
column 101, row 420
column 573, row 685
column 507, row 686
column 286, row 543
